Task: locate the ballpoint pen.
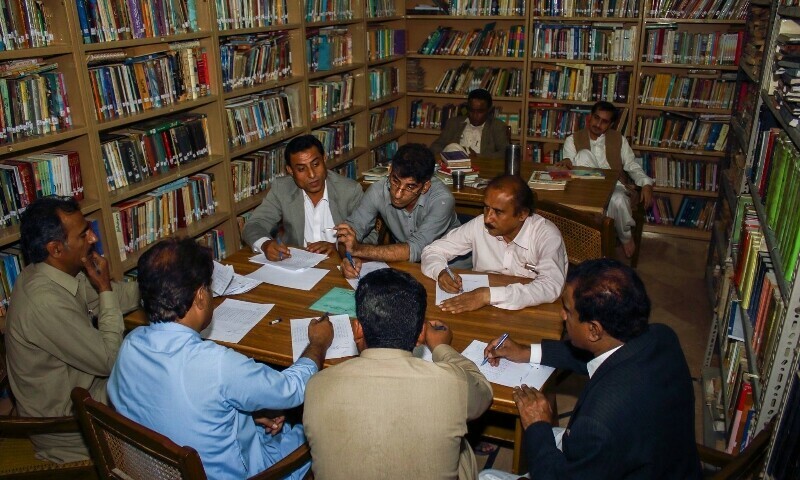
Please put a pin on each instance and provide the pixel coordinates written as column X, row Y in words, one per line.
column 499, row 344
column 352, row 263
column 280, row 255
column 452, row 277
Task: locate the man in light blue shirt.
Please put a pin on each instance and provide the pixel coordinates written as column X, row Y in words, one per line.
column 199, row 393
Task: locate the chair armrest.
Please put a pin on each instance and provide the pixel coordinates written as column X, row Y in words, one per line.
column 713, row 457
column 286, row 465
column 24, row 426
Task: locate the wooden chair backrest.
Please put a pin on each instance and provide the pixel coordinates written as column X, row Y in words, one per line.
column 587, row 236
column 745, row 466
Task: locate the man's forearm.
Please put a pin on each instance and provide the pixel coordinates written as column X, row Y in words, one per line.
column 316, row 354
column 384, row 253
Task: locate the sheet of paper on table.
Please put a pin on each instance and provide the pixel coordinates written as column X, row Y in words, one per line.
column 510, row 374
column 233, row 319
column 469, row 282
column 366, row 268
column 337, row 301
column 221, row 277
column 299, row 261
column 344, row 344
column 241, row 284
column 304, row 280
column 423, row 352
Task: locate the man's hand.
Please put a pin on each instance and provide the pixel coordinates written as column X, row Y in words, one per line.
column 325, row 248
column 348, row 271
column 566, row 163
column 509, row 349
column 437, row 333
column 346, row 237
column 647, row 196
column 320, row 337
column 448, row 284
column 97, row 271
column 532, row 405
column 467, row 302
column 272, row 425
column 275, row 251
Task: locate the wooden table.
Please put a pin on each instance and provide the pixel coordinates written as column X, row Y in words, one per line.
column 272, row 343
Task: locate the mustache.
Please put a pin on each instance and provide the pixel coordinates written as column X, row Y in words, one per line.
column 489, row 226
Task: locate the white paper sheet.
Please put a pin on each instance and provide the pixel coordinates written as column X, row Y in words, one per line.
column 221, row 277
column 304, row 280
column 241, row 284
column 468, row 281
column 299, row 261
column 366, row 268
column 423, row 352
column 508, row 373
column 233, row 319
column 344, row 344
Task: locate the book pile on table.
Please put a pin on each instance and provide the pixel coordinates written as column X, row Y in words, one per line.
column 452, row 161
column 376, row 173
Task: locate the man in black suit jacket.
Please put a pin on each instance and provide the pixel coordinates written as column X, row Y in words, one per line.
column 635, row 417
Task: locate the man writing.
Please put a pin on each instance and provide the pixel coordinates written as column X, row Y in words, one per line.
column 477, row 133
column 387, row 414
column 416, row 208
column 635, row 416
column 599, row 146
column 52, row 344
column 509, row 238
column 200, row 393
column 309, row 203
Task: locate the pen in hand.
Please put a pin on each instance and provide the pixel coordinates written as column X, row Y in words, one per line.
column 280, row 254
column 352, row 263
column 499, row 344
column 452, row 277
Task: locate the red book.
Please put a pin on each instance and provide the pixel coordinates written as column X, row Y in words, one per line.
column 27, row 177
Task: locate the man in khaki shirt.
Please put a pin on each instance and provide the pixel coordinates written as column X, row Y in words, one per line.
column 52, row 342
column 388, row 414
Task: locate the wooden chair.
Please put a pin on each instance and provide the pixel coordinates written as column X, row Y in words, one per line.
column 17, row 458
column 586, row 235
column 747, row 465
column 125, row 450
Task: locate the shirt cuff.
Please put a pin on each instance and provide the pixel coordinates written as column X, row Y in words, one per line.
column 257, row 244
column 307, row 362
column 536, row 353
column 497, row 295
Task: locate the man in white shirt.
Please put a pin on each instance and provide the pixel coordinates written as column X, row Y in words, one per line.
column 309, row 202
column 599, row 146
column 509, row 238
column 478, row 132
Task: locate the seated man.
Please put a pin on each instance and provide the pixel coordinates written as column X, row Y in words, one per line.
column 387, row 414
column 309, row 203
column 64, row 324
column 600, row 146
column 635, row 416
column 416, row 207
column 479, row 132
column 202, row 394
column 509, row 238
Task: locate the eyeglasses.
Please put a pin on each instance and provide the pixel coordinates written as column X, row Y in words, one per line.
column 412, row 189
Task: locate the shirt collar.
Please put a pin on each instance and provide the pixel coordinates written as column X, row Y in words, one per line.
column 523, row 233
column 173, row 327
column 384, row 353
column 324, row 198
column 65, row 280
column 593, row 364
column 601, row 140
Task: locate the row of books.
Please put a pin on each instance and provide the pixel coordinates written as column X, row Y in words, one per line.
column 500, row 82
column 150, row 81
column 691, row 90
column 424, row 114
column 254, row 172
column 11, row 265
column 682, row 131
column 337, row 138
column 549, row 122
column 693, row 212
column 24, row 179
column 579, row 82
column 381, row 122
column 512, row 119
column 538, row 152
column 235, row 14
column 383, row 154
column 503, row 8
column 151, row 148
column 663, row 43
column 384, row 43
column 763, row 156
column 146, row 219
column 249, row 60
column 328, row 10
column 24, row 24
column 383, row 82
column 349, row 170
column 681, row 173
column 256, row 117
column 112, row 20
column 755, row 37
column 330, row 96
column 215, row 240
column 328, row 48
column 486, row 42
column 586, row 8
column 33, row 100
column 698, row 9
column 595, row 42
column 380, row 8
column 782, row 201
column 739, row 400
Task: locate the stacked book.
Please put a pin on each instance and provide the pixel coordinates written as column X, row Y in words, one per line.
column 452, row 161
column 787, row 75
column 376, row 173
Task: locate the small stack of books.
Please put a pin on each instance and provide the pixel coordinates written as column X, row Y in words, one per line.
column 544, row 181
column 376, row 173
column 456, row 160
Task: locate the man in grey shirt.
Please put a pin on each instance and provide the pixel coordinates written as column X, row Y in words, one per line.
column 416, row 207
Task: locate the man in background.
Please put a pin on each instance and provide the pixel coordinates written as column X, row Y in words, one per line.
column 479, row 132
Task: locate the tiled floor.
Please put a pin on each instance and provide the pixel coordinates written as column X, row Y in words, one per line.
column 673, row 271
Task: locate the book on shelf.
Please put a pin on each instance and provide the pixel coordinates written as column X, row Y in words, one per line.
column 382, row 122
column 383, row 82
column 595, row 42
column 376, row 173
column 540, row 180
column 215, row 240
column 102, row 21
column 25, row 24
column 255, row 59
column 253, row 173
column 255, row 117
column 328, row 47
column 338, row 138
column 233, row 14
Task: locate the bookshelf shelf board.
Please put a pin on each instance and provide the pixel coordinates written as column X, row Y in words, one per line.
column 41, row 140
column 483, row 18
column 138, row 42
column 551, row 101
column 248, row 31
column 334, row 71
column 270, row 140
column 472, row 58
column 384, row 61
column 772, row 243
column 196, row 228
column 683, row 232
column 689, row 66
column 749, row 72
column 459, row 96
column 585, row 19
column 155, row 112
column 240, row 92
column 585, row 62
column 792, row 12
column 339, row 160
column 397, row 133
column 793, row 132
column 387, row 99
column 683, row 191
column 425, row 131
column 10, row 234
column 705, row 153
column 336, row 117
column 666, row 108
column 156, row 181
column 709, row 21
column 333, row 23
column 389, row 18
column 533, row 139
column 740, row 134
column 49, row 51
column 250, row 202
